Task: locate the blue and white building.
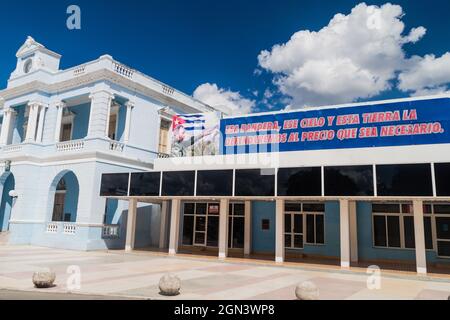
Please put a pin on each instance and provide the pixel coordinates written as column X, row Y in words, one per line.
column 61, row 129
column 85, row 165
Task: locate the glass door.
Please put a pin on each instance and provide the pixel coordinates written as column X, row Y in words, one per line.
column 293, row 230
column 236, row 225
column 212, row 234
column 200, row 223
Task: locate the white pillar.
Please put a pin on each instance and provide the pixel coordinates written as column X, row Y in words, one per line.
column 419, row 235
column 223, row 229
column 131, row 225
column 99, row 114
column 174, row 226
column 353, row 232
column 6, row 126
column 248, row 228
column 344, row 224
column 40, row 129
column 129, row 105
column 279, row 231
column 108, row 117
column 163, row 226
column 60, row 111
column 32, row 120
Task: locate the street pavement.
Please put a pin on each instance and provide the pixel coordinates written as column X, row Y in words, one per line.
column 120, row 275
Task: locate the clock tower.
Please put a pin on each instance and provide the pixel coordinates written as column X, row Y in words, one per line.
column 33, row 56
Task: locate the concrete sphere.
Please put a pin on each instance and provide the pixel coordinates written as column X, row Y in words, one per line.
column 169, row 285
column 43, row 279
column 307, row 291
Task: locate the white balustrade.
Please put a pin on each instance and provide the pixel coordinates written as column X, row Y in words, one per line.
column 167, row 90
column 116, row 146
column 70, row 146
column 69, row 228
column 12, row 148
column 163, row 155
column 52, row 227
column 110, row 231
column 79, row 71
column 122, row 70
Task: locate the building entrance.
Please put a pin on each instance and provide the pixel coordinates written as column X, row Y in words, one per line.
column 201, row 224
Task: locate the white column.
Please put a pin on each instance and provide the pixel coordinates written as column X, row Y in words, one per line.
column 129, row 105
column 60, row 107
column 99, row 114
column 248, row 228
column 279, row 231
column 174, row 226
column 32, row 121
column 6, row 126
column 344, row 224
column 353, row 232
column 40, row 129
column 108, row 117
column 223, row 229
column 131, row 225
column 163, row 226
column 419, row 235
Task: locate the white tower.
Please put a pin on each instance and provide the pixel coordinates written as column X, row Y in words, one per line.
column 33, row 56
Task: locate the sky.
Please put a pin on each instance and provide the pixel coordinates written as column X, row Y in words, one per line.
column 251, row 56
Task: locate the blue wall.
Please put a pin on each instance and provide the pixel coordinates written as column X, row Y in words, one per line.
column 111, row 210
column 263, row 241
column 147, row 226
column 6, row 203
column 366, row 251
column 80, row 121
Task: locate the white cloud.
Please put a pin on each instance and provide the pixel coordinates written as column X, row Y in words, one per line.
column 212, row 95
column 427, row 75
column 268, row 93
column 355, row 56
column 257, row 72
column 415, row 35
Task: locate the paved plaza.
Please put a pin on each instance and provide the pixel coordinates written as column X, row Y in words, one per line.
column 136, row 275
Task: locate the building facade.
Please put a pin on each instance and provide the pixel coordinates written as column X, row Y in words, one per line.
column 61, row 129
column 85, row 165
column 351, row 185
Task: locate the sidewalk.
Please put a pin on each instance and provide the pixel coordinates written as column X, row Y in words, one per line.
column 119, row 274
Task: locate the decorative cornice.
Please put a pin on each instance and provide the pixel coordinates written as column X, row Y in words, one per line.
column 109, row 94
column 35, row 104
column 93, row 77
column 129, row 104
column 167, row 113
column 60, row 104
column 10, row 110
column 32, row 45
column 95, row 156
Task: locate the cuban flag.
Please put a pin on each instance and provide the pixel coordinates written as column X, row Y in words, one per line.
column 190, row 122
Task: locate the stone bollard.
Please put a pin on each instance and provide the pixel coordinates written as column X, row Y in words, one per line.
column 169, row 285
column 44, row 279
column 307, row 291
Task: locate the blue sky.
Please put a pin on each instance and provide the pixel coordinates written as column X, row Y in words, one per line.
column 217, row 43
